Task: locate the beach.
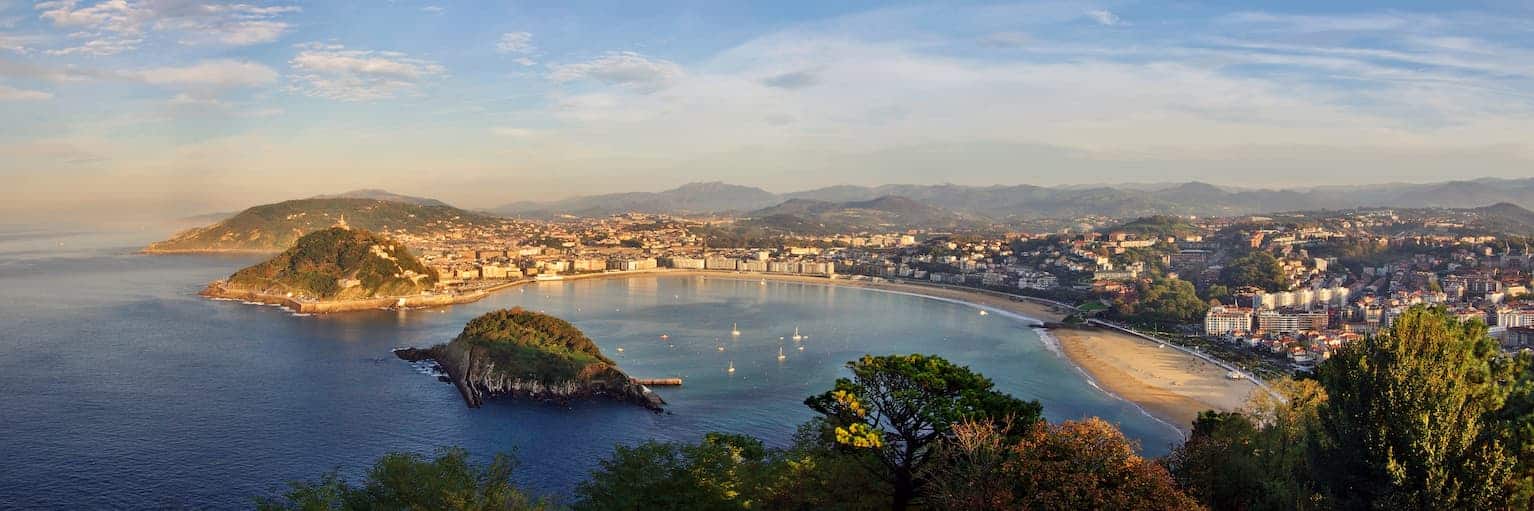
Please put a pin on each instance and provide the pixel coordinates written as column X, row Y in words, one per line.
column 1169, row 384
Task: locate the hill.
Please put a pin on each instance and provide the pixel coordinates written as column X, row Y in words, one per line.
column 882, row 213
column 1026, row 202
column 275, row 227
column 694, row 198
column 520, row 353
column 337, row 264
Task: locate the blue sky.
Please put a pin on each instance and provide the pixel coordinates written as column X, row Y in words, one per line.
column 198, row 104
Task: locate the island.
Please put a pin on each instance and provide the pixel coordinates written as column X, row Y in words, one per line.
column 523, row 354
column 338, row 269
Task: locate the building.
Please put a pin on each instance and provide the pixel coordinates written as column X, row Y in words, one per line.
column 1291, row 322
column 588, row 264
column 1227, row 320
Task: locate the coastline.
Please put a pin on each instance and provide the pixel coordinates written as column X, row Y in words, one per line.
column 1169, row 385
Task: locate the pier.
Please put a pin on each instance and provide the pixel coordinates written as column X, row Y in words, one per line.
column 652, row 382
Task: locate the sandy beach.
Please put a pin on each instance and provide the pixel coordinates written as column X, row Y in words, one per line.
column 1171, row 385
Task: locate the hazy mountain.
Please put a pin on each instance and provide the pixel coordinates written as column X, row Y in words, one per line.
column 882, row 213
column 1013, row 202
column 1506, row 218
column 693, row 198
column 384, row 195
column 275, row 227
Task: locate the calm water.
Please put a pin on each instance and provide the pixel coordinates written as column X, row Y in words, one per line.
column 120, row 388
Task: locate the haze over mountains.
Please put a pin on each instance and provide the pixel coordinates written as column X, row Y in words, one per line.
column 1005, row 202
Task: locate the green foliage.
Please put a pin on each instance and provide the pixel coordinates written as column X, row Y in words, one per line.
column 1166, row 301
column 403, row 481
column 1408, row 421
column 1158, row 226
column 1218, row 292
column 278, row 226
column 1255, row 462
column 533, row 345
column 722, row 472
column 1515, row 429
column 900, row 406
column 1257, row 269
column 313, row 267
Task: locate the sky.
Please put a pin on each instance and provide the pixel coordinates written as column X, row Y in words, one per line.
column 183, row 106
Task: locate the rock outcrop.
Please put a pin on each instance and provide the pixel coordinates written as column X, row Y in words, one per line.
column 527, row 355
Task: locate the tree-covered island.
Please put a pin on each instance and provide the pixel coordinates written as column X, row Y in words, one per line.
column 525, row 354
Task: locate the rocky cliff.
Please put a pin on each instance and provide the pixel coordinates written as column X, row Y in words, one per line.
column 520, row 354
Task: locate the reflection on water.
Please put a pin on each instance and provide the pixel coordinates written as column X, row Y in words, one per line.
column 129, row 391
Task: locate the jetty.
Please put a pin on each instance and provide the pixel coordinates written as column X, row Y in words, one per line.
column 652, row 382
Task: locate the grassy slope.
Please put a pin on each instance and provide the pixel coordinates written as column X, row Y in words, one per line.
column 318, row 260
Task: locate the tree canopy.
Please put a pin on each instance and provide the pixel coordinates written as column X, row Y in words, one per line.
column 1257, row 269
column 899, row 406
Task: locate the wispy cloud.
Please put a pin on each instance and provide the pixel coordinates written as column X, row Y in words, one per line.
column 109, row 27
column 629, row 70
column 334, row 72
column 210, row 73
column 1104, row 17
column 8, row 93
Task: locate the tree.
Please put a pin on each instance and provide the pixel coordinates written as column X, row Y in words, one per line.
column 1217, row 292
column 1073, row 465
column 1253, row 461
column 721, row 472
column 900, row 406
column 1516, row 431
column 1408, row 420
column 406, row 481
column 1167, row 301
column 1257, row 269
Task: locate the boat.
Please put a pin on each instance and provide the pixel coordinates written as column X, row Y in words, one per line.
column 984, row 313
column 664, row 337
column 620, row 349
column 797, row 337
column 721, row 347
column 735, row 329
column 781, row 356
column 801, row 347
column 732, row 366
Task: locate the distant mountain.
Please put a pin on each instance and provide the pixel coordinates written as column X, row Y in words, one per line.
column 807, row 216
column 1027, row 202
column 1506, row 218
column 383, row 195
column 694, row 198
column 275, row 227
column 337, row 264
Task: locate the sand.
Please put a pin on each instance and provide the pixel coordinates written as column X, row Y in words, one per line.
column 1173, row 386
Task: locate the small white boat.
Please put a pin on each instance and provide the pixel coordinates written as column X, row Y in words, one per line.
column 984, row 313
column 732, row 367
column 801, row 347
column 664, row 337
column 797, row 337
column 735, row 329
column 781, row 356
column 620, row 349
column 721, row 348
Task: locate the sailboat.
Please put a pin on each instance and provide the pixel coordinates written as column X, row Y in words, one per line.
column 797, row 337
column 781, row 356
column 735, row 329
column 984, row 313
column 732, row 367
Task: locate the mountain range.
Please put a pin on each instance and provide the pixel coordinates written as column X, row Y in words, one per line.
column 1014, row 202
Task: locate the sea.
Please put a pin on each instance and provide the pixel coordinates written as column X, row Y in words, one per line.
column 120, row 388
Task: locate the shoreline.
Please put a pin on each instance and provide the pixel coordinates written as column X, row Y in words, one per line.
column 1168, row 385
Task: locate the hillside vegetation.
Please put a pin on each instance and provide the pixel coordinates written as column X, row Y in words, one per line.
column 275, row 227
column 338, row 263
